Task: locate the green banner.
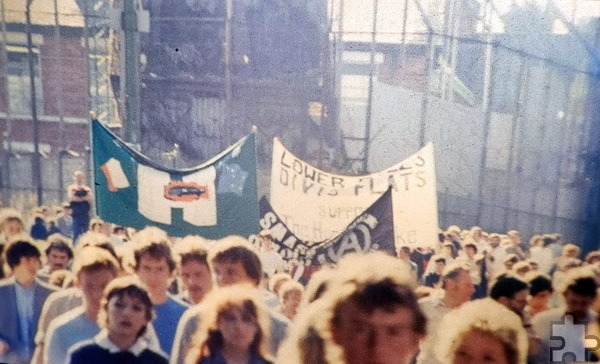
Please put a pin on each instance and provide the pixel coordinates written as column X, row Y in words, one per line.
column 213, row 200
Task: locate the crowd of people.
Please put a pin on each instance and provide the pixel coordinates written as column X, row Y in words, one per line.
column 99, row 293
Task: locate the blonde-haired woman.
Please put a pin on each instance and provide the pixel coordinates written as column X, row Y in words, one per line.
column 234, row 329
column 482, row 331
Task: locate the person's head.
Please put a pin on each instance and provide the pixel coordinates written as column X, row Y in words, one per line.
column 571, row 251
column 100, row 226
column 540, row 291
column 453, row 231
column 536, row 241
column 94, row 268
column 548, row 239
column 43, row 210
column 66, row 208
column 317, row 286
column 534, row 265
column 514, row 236
column 154, row 262
column 266, row 239
column 593, row 257
column 61, row 278
column 378, row 321
column 404, row 252
column 457, row 283
column 470, row 250
column 59, row 252
column 193, row 267
column 11, row 223
column 306, row 341
column 79, row 177
column 482, row 331
column 522, row 268
column 233, row 260
column 373, row 315
column 126, row 308
column 476, row 233
column 440, row 263
column 494, row 240
column 39, row 218
column 567, row 264
column 23, row 258
column 98, row 240
column 448, row 249
column 579, row 291
column 277, row 280
column 233, row 319
column 510, row 260
column 511, row 292
column 121, row 232
column 290, row 296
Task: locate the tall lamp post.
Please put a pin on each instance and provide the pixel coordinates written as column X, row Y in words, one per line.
column 37, row 171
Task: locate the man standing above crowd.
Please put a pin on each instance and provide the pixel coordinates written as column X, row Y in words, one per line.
column 22, row 299
column 80, row 198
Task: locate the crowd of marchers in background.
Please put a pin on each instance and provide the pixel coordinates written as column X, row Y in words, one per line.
column 86, row 291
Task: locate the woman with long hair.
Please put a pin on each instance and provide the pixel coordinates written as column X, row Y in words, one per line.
column 234, row 329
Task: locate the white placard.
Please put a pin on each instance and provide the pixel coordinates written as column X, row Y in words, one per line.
column 318, row 205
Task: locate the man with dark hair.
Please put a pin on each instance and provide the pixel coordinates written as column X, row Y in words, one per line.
column 388, row 318
column 512, row 293
column 232, row 261
column 58, row 255
column 433, row 278
column 540, row 293
column 23, row 297
column 155, row 266
column 579, row 292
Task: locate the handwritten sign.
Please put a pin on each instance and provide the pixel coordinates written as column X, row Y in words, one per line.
column 317, row 205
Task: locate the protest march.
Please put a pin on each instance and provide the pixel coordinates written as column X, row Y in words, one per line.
column 149, row 264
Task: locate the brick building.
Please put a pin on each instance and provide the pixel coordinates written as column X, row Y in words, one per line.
column 61, row 83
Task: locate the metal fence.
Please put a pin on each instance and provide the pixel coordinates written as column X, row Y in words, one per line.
column 513, row 115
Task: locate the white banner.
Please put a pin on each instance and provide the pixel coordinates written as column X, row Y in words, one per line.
column 317, row 205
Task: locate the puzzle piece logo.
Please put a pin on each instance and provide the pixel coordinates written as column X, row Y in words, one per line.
column 569, row 341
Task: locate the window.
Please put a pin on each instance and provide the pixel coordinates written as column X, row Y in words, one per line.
column 19, row 90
